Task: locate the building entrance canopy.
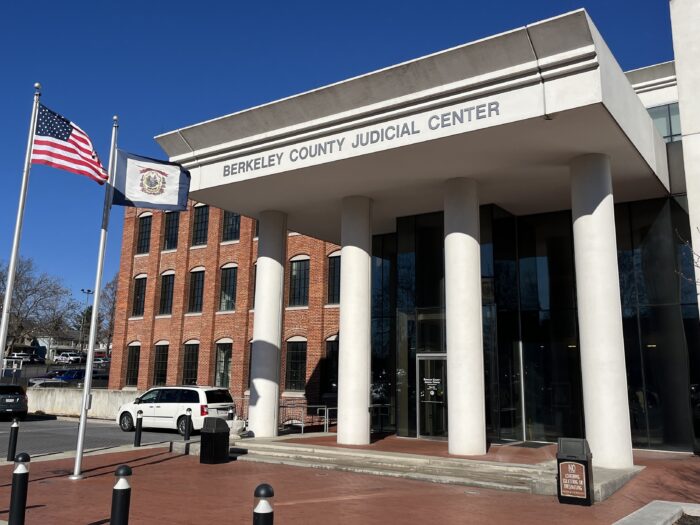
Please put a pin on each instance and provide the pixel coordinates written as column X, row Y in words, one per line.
column 509, row 111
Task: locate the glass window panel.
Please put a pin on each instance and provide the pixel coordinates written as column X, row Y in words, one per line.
column 665, row 355
column 662, row 121
column 172, row 224
column 160, row 365
column 196, row 292
column 227, row 297
column 657, row 281
column 231, row 230
column 553, row 394
column 139, row 297
column 329, row 369
column 296, row 366
column 132, row 365
column 675, row 119
column 333, row 280
column 143, row 244
column 190, row 364
column 166, row 294
column 222, row 374
column 299, row 283
column 250, row 361
column 200, row 226
column 189, row 396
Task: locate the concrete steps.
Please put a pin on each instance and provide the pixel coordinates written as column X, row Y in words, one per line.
column 536, row 479
column 532, row 479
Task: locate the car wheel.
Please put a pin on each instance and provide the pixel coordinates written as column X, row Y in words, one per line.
column 181, row 424
column 126, row 422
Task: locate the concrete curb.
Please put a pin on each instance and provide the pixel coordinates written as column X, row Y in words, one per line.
column 660, row 513
column 51, row 456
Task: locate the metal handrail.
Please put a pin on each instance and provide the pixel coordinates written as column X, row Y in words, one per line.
column 326, row 415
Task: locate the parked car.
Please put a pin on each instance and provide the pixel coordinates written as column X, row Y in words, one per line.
column 63, row 378
column 165, row 407
column 101, row 362
column 35, row 381
column 70, row 358
column 13, row 400
column 100, row 378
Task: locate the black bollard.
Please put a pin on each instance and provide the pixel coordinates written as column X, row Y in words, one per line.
column 263, row 513
column 231, row 413
column 188, row 423
column 12, row 445
column 20, row 484
column 121, row 497
column 139, row 425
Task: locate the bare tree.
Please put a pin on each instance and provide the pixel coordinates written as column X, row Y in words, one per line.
column 41, row 305
column 108, row 307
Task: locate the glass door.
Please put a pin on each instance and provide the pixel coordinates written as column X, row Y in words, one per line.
column 432, row 396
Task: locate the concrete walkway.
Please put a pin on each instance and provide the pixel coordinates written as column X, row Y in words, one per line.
column 174, row 489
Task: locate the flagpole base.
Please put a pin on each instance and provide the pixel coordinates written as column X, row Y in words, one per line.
column 76, row 477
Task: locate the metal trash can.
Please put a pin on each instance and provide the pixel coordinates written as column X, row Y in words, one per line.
column 214, row 445
column 574, row 472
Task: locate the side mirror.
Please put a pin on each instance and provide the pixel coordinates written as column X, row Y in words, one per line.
column 137, row 401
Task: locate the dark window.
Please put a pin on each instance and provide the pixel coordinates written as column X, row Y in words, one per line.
column 227, row 299
column 150, row 396
column 329, row 369
column 143, row 243
column 172, row 223
column 12, row 389
column 132, row 365
column 257, row 227
column 299, row 283
column 166, row 294
column 218, row 396
column 160, row 365
column 139, row 296
column 222, row 374
column 254, row 275
column 200, row 227
column 667, row 121
column 189, row 396
column 250, row 362
column 333, row 280
column 169, row 395
column 189, row 367
column 296, row 366
column 231, row 230
column 196, row 291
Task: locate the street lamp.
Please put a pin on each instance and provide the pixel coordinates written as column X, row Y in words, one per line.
column 87, row 293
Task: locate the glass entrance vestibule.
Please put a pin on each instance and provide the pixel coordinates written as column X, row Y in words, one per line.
column 532, row 366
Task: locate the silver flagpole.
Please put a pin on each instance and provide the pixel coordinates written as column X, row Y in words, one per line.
column 96, row 304
column 11, row 269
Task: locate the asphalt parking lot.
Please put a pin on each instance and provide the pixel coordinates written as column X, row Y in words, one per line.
column 41, row 435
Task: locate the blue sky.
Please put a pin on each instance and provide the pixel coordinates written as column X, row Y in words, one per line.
column 161, row 65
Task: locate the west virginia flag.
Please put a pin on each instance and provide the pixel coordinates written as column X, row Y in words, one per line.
column 149, row 183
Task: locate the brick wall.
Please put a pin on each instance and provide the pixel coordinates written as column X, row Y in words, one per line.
column 316, row 322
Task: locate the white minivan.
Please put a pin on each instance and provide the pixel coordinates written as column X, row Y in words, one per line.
column 166, row 406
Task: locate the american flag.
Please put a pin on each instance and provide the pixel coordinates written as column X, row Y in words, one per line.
column 58, row 142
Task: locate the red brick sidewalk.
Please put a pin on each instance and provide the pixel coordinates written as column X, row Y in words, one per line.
column 171, row 489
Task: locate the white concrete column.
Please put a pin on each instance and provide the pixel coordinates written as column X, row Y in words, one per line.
column 686, row 48
column 603, row 369
column 355, row 353
column 267, row 324
column 466, row 410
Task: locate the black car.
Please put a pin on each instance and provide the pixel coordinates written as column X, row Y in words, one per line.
column 13, row 401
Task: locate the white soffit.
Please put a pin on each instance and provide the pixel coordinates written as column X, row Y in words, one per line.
column 509, row 111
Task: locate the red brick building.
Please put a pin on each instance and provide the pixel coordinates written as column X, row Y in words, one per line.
column 185, row 305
